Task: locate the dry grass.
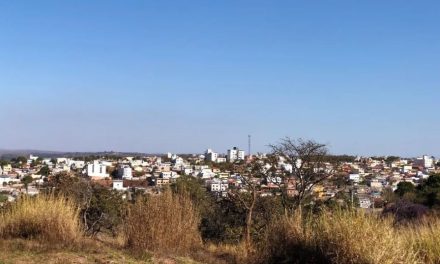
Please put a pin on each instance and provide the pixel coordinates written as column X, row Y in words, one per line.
column 47, row 218
column 355, row 237
column 166, row 223
column 424, row 240
column 225, row 253
column 349, row 237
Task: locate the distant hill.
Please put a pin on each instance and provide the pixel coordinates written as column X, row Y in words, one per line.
column 8, row 154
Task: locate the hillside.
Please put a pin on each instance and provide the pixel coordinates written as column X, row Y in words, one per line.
column 25, row 251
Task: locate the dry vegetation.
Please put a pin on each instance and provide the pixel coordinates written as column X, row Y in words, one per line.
column 166, row 226
column 166, row 223
column 349, row 237
column 47, row 218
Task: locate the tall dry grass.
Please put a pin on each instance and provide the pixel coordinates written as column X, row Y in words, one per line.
column 423, row 239
column 47, row 218
column 349, row 237
column 356, row 237
column 166, row 223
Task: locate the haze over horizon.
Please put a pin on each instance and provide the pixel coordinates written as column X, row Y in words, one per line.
column 165, row 76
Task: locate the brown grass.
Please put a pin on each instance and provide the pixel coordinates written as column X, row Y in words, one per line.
column 45, row 217
column 424, row 239
column 166, row 223
column 349, row 237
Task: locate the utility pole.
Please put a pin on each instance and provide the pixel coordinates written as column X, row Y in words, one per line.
column 249, row 145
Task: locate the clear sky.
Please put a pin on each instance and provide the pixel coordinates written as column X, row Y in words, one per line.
column 182, row 76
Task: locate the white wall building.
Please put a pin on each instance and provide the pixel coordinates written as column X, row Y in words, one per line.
column 221, row 160
column 125, row 172
column 354, row 177
column 97, row 169
column 7, row 168
column 211, row 155
column 235, row 154
column 364, row 202
column 219, row 187
column 118, row 185
column 76, row 164
column 425, row 161
column 4, row 179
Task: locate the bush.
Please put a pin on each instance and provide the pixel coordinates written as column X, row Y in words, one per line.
column 47, row 218
column 405, row 211
column 166, row 223
column 101, row 209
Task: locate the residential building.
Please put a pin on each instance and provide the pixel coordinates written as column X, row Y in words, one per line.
column 354, row 177
column 211, row 155
column 221, row 160
column 118, row 185
column 235, row 154
column 7, row 169
column 364, row 202
column 425, row 162
column 125, row 172
column 97, row 170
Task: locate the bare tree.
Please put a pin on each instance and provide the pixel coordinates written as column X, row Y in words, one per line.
column 248, row 194
column 301, row 164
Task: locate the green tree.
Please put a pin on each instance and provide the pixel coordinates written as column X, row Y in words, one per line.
column 45, row 171
column 429, row 191
column 3, row 198
column 101, row 209
column 404, row 188
column 21, row 160
column 26, row 181
column 391, row 159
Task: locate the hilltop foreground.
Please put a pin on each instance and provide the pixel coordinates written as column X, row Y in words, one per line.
column 25, row 251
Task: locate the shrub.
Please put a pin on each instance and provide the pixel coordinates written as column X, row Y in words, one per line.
column 47, row 218
column 101, row 209
column 166, row 223
column 405, row 211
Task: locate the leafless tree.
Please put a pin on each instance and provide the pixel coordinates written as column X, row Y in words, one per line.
column 305, row 165
column 248, row 194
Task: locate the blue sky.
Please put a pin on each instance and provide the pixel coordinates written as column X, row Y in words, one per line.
column 182, row 76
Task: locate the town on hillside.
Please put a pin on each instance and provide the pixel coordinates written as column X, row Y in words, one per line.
column 362, row 182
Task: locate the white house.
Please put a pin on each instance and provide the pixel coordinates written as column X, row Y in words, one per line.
column 355, row 177
column 221, row 160
column 62, row 160
column 97, row 169
column 4, row 179
column 118, row 185
column 406, row 168
column 364, row 202
column 76, row 164
column 218, row 187
column 32, row 157
column 7, row 168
